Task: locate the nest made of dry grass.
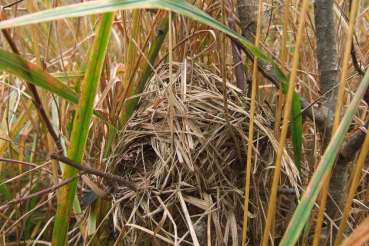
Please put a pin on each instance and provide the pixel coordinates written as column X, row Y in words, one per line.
column 188, row 160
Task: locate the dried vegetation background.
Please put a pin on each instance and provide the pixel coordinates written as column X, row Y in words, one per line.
column 184, row 147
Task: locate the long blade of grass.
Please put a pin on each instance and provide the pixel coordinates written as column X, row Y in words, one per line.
column 131, row 58
column 34, row 74
column 180, row 7
column 81, row 125
column 303, row 210
column 296, row 120
column 284, row 60
column 250, row 138
column 103, row 6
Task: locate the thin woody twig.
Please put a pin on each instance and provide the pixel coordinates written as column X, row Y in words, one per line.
column 41, row 192
column 12, row 4
column 17, row 162
column 93, row 171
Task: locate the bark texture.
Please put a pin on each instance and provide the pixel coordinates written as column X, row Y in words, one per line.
column 328, row 72
column 239, row 70
column 247, row 12
column 326, row 52
column 340, row 176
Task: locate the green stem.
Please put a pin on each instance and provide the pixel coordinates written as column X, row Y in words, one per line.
column 80, row 128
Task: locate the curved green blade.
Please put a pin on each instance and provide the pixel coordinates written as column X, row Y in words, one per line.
column 34, row 74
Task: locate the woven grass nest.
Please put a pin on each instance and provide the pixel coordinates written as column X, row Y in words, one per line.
column 188, row 161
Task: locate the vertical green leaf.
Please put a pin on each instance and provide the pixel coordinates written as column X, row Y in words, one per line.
column 296, row 129
column 80, row 128
column 296, row 119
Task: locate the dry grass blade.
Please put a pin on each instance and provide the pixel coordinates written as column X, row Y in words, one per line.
column 250, row 139
column 360, row 236
column 286, row 118
column 188, row 220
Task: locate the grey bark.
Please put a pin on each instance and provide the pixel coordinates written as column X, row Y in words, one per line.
column 239, row 70
column 328, row 71
column 247, row 12
column 327, row 54
column 340, row 176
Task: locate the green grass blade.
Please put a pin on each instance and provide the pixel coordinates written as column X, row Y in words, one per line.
column 296, row 119
column 103, row 6
column 34, row 74
column 296, row 130
column 5, row 193
column 80, row 128
column 65, row 76
column 303, row 210
column 180, row 7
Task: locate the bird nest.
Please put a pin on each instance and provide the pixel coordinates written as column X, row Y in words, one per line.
column 186, row 153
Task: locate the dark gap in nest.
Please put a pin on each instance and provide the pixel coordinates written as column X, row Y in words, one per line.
column 139, row 156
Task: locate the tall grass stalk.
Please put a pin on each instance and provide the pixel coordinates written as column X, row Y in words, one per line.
column 286, row 117
column 81, row 125
column 254, row 87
